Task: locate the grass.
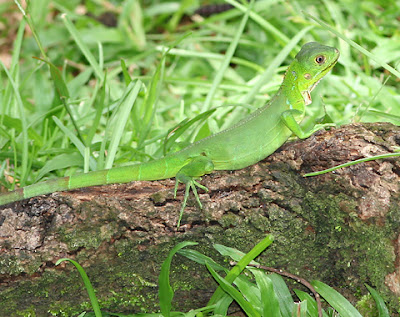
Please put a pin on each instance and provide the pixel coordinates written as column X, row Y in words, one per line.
column 95, row 96
column 149, row 73
column 256, row 291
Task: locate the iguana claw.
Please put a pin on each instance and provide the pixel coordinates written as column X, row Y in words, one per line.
column 197, row 167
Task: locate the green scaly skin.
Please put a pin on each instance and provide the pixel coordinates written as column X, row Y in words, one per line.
column 246, row 143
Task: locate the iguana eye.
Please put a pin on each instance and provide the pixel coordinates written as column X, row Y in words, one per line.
column 320, row 59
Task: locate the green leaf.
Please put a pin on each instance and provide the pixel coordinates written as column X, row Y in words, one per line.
column 124, row 108
column 165, row 292
column 177, row 15
column 98, row 102
column 233, row 253
column 365, row 159
column 312, row 306
column 249, row 290
column 269, row 299
column 282, row 292
column 125, row 72
column 380, row 304
column 63, row 93
column 83, row 47
column 385, row 115
column 279, row 36
column 182, row 126
column 59, row 82
column 222, row 305
column 78, row 143
column 149, row 106
column 358, row 47
column 59, row 162
column 336, row 300
column 75, row 85
column 88, row 285
column 300, row 309
column 24, row 124
column 201, row 259
column 228, row 57
column 234, row 293
column 241, row 265
column 13, row 123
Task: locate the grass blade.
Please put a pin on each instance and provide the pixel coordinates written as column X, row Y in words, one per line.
column 234, row 293
column 365, row 159
column 201, row 259
column 175, row 132
column 336, row 300
column 312, row 306
column 241, row 265
column 210, row 56
column 63, row 93
column 380, row 304
column 278, row 35
column 165, row 291
column 269, row 301
column 228, row 56
column 88, row 285
column 124, row 108
column 249, row 290
column 74, row 139
column 60, row 162
column 282, row 292
column 150, row 103
column 25, row 150
column 99, row 102
column 266, row 75
column 222, row 306
column 83, row 47
column 385, row 115
column 355, row 45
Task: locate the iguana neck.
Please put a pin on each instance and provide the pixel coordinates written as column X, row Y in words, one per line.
column 289, row 90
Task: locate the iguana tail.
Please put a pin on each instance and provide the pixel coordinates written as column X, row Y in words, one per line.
column 153, row 170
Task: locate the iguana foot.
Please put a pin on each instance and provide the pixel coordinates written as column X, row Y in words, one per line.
column 188, row 174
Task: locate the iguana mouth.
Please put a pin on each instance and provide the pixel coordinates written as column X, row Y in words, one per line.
column 307, row 93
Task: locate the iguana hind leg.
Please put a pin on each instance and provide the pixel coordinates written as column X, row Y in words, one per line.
column 197, row 167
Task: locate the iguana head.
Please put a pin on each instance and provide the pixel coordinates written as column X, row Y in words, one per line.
column 311, row 64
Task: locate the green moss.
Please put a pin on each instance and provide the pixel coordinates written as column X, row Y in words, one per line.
column 229, row 220
column 367, row 307
column 89, row 236
column 10, row 265
column 160, row 196
column 29, row 312
column 350, row 243
column 318, row 237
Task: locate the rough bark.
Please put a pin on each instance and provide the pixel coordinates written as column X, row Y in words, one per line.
column 341, row 228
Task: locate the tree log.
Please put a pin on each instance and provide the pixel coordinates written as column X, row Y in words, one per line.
column 341, row 228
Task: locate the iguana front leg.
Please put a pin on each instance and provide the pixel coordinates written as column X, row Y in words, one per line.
column 290, row 121
column 197, row 167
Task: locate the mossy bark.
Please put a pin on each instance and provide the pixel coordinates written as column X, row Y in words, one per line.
column 341, row 228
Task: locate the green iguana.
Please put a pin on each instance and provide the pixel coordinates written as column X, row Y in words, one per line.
column 246, row 143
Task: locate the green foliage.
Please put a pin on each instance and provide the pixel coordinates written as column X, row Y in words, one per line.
column 110, row 96
column 96, row 96
column 88, row 285
column 371, row 158
column 268, row 296
column 165, row 292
